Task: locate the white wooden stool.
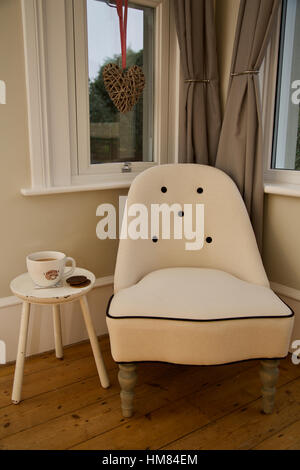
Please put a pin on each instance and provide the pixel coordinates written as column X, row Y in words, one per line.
column 23, row 287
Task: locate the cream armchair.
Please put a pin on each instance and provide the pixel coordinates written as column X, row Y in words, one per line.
column 205, row 307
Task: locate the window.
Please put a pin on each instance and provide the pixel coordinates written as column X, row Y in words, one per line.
column 78, row 140
column 286, row 153
column 112, row 137
column 2, row 92
column 116, row 137
column 284, row 162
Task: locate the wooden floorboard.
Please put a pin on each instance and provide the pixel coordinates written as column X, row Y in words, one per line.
column 176, row 407
column 287, row 438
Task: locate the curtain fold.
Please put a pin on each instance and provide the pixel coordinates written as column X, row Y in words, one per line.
column 201, row 122
column 240, row 152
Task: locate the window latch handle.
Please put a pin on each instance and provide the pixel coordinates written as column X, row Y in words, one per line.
column 127, row 168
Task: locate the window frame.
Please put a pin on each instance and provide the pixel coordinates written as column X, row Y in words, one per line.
column 82, row 164
column 2, row 92
column 276, row 181
column 50, row 82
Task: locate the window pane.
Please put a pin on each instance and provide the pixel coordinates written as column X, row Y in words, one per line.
column 117, row 137
column 286, row 153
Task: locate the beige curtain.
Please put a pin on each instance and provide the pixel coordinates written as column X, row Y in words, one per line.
column 240, row 146
column 201, row 116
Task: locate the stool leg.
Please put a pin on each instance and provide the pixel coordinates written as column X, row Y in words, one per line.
column 19, row 370
column 57, row 331
column 94, row 342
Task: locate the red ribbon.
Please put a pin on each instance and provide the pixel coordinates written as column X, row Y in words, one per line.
column 123, row 27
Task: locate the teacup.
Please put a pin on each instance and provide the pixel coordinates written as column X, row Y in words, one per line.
column 47, row 268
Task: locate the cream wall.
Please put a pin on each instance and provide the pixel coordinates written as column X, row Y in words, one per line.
column 282, row 240
column 64, row 222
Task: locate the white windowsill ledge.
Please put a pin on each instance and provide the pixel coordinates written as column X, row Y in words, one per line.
column 282, row 189
column 125, row 184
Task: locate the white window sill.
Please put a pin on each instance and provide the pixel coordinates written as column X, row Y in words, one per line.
column 117, row 184
column 282, row 189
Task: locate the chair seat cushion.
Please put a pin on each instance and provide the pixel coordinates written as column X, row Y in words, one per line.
column 196, row 294
column 197, row 316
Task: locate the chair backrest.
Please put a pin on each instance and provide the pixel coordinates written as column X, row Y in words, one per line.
column 230, row 246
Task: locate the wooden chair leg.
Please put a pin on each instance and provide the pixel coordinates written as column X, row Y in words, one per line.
column 269, row 375
column 127, row 378
column 57, row 332
column 19, row 370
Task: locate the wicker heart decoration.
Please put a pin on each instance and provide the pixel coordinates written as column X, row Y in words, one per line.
column 123, row 87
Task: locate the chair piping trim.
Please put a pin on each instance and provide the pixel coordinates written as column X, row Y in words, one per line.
column 292, row 314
